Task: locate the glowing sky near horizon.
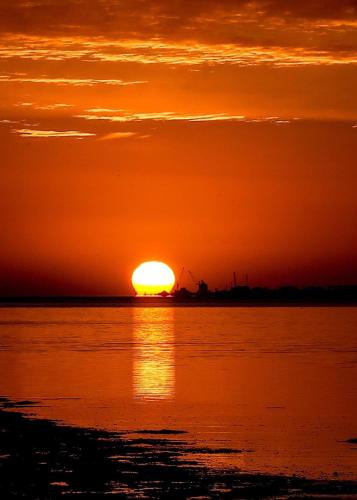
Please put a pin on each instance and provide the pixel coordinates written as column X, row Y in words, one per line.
column 215, row 135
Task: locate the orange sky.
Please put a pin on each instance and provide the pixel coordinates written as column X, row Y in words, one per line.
column 215, row 135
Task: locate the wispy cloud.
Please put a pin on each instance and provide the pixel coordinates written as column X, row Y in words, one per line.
column 45, row 107
column 77, row 82
column 53, row 107
column 117, row 135
column 164, row 52
column 43, row 134
column 122, row 116
column 128, row 116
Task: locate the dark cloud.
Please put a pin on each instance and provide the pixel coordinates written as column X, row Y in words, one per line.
column 157, row 17
column 319, row 9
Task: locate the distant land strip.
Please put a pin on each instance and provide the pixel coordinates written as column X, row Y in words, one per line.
column 240, row 296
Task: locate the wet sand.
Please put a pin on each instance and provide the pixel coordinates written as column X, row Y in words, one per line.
column 40, row 459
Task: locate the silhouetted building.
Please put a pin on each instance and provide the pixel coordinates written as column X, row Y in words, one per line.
column 183, row 293
column 239, row 292
column 202, row 289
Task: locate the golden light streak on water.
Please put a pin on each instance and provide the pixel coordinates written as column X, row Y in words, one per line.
column 154, row 359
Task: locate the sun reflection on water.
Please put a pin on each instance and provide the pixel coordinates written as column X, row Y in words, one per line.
column 154, row 357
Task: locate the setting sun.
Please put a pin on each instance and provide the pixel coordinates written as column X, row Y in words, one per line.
column 152, row 278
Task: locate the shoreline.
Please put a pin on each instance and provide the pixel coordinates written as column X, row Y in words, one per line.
column 132, row 301
column 41, row 459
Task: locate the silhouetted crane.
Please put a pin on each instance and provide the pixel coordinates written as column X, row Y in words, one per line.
column 179, row 281
column 194, row 279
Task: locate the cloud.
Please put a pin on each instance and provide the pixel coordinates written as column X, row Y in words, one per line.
column 180, row 32
column 52, row 107
column 77, row 82
column 122, row 116
column 44, row 134
column 117, row 135
column 128, row 116
column 44, row 107
column 156, row 17
column 164, row 52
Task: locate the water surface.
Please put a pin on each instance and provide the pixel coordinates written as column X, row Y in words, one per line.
column 279, row 382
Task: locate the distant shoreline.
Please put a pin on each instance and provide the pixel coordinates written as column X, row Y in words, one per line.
column 130, row 301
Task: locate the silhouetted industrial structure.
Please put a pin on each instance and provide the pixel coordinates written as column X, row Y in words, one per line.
column 242, row 293
column 236, row 295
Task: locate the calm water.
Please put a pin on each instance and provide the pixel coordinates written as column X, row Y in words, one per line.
column 281, row 382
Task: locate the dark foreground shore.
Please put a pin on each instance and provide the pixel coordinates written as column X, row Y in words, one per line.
column 42, row 460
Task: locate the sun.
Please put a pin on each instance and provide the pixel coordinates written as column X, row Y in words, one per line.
column 152, row 278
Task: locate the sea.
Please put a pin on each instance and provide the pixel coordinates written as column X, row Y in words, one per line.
column 278, row 384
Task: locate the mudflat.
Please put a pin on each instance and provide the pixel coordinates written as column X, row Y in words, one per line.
column 40, row 459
